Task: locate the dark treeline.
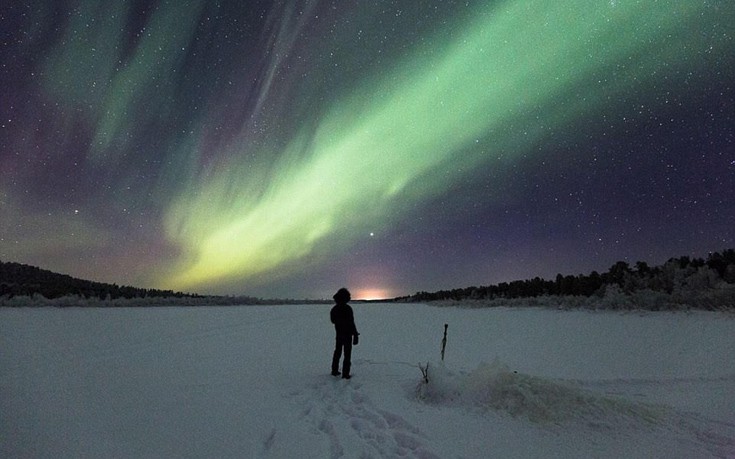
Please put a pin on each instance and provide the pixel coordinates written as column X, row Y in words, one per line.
column 676, row 276
column 17, row 279
column 677, row 273
column 24, row 285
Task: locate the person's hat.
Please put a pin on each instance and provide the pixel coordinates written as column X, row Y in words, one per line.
column 342, row 296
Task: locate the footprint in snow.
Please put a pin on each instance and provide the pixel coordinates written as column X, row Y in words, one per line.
column 352, row 425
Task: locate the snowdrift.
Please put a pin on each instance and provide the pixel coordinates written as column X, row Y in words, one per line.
column 540, row 400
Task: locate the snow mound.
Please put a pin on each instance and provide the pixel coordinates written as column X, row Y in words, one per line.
column 495, row 386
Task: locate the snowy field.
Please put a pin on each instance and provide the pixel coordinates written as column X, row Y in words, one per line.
column 254, row 381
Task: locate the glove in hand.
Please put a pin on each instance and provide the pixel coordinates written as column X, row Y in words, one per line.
column 355, row 340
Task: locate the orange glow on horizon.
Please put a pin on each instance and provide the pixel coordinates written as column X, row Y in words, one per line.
column 371, row 294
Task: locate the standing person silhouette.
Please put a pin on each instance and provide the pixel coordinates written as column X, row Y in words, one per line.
column 344, row 324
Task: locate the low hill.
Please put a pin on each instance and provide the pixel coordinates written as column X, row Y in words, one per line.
column 24, row 285
column 18, row 279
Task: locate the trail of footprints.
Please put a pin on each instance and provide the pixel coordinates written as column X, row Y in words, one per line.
column 354, row 427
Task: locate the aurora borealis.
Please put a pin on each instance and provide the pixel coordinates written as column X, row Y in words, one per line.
column 285, row 149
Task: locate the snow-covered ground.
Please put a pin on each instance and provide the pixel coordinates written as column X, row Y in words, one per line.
column 254, row 381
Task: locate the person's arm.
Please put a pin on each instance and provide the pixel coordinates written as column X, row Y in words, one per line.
column 351, row 317
column 355, row 334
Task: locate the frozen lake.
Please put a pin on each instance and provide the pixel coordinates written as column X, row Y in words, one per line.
column 253, row 381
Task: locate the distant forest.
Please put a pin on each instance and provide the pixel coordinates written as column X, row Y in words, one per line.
column 682, row 282
column 676, row 275
column 25, row 285
column 17, row 279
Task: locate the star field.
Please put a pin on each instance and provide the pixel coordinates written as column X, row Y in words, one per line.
column 285, row 149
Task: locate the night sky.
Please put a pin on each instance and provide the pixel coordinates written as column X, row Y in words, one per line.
column 286, row 149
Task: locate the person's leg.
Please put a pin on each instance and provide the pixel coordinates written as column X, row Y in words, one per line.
column 347, row 362
column 336, row 356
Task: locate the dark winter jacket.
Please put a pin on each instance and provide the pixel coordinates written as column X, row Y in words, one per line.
column 343, row 320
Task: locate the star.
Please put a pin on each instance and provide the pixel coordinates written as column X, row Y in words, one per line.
column 245, row 142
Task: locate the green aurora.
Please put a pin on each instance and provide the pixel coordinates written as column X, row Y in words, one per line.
column 287, row 148
column 515, row 72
